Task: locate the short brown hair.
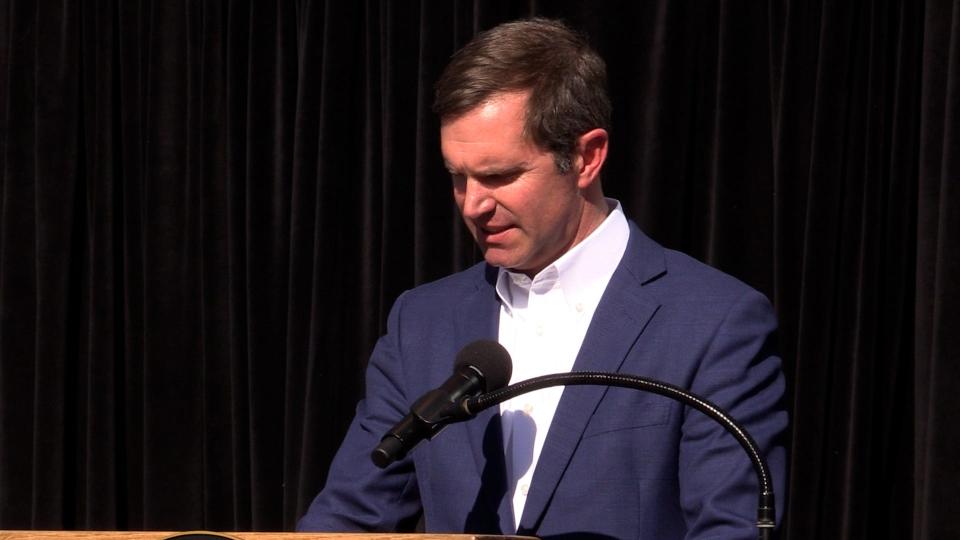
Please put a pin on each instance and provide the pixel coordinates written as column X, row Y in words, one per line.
column 566, row 78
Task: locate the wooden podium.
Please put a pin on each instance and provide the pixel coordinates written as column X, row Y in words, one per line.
column 161, row 535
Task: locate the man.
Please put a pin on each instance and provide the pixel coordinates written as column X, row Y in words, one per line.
column 567, row 284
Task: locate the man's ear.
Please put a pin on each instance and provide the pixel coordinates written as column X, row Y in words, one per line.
column 591, row 153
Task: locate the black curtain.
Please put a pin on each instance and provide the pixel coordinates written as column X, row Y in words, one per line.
column 207, row 208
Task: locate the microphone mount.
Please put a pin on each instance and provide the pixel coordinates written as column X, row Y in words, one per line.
column 766, row 512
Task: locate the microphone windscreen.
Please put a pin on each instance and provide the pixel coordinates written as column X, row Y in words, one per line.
column 490, row 359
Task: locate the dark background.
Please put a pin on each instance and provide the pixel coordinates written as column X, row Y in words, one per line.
column 208, row 207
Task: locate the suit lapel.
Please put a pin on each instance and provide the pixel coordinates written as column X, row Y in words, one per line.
column 478, row 318
column 617, row 324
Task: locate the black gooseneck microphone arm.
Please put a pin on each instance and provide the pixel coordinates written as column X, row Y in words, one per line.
column 766, row 512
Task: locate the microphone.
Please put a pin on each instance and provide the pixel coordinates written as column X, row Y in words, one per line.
column 481, row 366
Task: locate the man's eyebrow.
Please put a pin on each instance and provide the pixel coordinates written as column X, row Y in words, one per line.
column 492, row 170
column 504, row 171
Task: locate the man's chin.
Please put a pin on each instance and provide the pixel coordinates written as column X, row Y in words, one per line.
column 504, row 260
column 497, row 257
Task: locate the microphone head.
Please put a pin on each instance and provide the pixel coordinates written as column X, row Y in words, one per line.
column 490, row 359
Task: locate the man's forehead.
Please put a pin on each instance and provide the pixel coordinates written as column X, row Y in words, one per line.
column 492, row 105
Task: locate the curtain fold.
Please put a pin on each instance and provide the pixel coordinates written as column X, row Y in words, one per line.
column 938, row 278
column 207, row 209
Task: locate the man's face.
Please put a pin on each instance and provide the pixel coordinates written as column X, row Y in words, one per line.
column 522, row 212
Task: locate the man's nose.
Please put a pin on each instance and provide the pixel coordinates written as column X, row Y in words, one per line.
column 478, row 199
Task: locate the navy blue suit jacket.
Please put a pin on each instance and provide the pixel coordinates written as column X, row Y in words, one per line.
column 616, row 463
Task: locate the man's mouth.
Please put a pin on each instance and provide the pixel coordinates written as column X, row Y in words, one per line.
column 494, row 235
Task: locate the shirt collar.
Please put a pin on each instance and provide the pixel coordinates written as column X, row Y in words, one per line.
column 582, row 272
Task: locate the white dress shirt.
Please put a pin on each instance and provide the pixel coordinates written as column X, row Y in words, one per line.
column 542, row 324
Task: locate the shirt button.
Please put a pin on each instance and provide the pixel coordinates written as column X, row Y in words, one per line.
column 524, row 488
column 539, row 329
column 579, row 307
column 528, row 409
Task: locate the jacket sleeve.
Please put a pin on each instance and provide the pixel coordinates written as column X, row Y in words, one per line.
column 740, row 373
column 358, row 496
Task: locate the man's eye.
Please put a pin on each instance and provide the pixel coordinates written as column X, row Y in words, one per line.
column 500, row 178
